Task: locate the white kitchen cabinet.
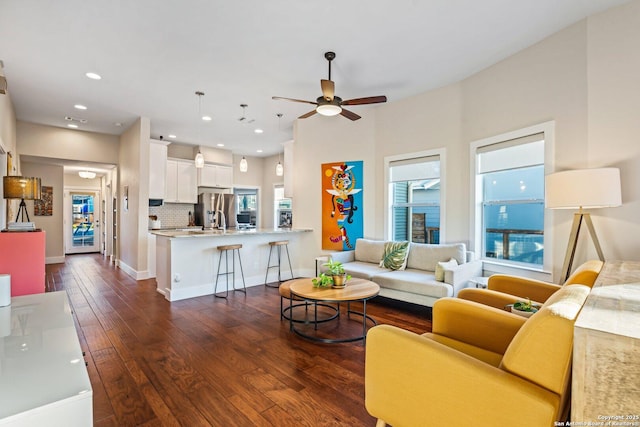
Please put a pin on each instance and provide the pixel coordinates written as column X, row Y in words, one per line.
column 157, row 169
column 181, row 182
column 215, row 176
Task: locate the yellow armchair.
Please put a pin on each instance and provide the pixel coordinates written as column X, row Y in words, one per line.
column 464, row 374
column 504, row 289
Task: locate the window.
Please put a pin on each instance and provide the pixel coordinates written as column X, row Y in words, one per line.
column 247, row 203
column 414, row 191
column 509, row 197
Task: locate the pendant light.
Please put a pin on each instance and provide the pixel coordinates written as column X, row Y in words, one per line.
column 199, row 157
column 244, row 166
column 199, row 160
column 279, row 167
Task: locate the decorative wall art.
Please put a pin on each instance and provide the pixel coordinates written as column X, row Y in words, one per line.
column 342, row 212
column 44, row 206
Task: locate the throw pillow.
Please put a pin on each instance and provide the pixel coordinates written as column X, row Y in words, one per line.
column 444, row 265
column 395, row 255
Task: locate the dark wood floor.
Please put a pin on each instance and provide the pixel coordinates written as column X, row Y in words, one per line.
column 208, row 361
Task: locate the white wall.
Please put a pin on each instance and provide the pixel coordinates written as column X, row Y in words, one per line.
column 319, row 140
column 7, row 142
column 269, row 180
column 547, row 81
column 134, row 175
column 613, row 64
column 427, row 121
column 52, row 176
column 585, row 78
column 60, row 143
column 260, row 173
column 7, row 120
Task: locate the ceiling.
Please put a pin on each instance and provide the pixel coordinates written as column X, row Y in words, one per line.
column 154, row 55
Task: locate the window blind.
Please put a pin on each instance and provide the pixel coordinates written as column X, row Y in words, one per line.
column 415, row 169
column 511, row 154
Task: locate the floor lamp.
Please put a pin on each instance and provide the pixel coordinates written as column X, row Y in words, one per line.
column 20, row 187
column 582, row 189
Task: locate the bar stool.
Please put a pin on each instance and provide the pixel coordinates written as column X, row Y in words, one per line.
column 278, row 245
column 224, row 251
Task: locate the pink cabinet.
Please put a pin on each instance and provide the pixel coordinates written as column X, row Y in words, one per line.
column 22, row 254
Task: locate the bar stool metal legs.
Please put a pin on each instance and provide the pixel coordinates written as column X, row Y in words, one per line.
column 278, row 245
column 224, row 251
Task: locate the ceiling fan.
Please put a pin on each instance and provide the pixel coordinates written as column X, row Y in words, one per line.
column 328, row 104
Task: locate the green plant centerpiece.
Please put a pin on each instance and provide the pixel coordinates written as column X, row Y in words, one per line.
column 322, row 281
column 524, row 308
column 334, row 277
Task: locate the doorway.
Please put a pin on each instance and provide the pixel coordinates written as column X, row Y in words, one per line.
column 82, row 221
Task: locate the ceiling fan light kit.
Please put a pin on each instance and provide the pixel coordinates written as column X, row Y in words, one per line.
column 330, row 105
column 328, row 109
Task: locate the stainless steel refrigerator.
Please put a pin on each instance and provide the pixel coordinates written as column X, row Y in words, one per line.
column 215, row 210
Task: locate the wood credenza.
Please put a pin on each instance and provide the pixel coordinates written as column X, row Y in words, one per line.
column 43, row 377
column 606, row 355
column 22, row 254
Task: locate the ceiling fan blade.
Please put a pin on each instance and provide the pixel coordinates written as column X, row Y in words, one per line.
column 294, row 100
column 328, row 89
column 309, row 114
column 349, row 114
column 367, row 100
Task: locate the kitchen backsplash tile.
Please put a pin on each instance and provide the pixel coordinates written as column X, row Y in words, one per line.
column 172, row 215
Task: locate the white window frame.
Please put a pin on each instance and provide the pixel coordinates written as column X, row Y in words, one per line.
column 441, row 153
column 492, row 265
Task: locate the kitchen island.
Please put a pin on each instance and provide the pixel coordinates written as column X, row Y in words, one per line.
column 187, row 260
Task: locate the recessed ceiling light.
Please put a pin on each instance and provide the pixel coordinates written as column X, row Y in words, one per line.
column 220, row 145
column 172, row 136
column 206, row 118
column 258, row 130
column 117, row 124
column 71, row 125
column 80, row 107
column 93, row 76
column 258, row 151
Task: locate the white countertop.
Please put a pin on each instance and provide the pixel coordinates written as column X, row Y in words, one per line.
column 228, row 232
column 41, row 360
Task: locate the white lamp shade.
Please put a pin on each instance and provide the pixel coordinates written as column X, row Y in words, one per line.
column 244, row 166
column 199, row 160
column 328, row 109
column 279, row 169
column 87, row 174
column 583, row 188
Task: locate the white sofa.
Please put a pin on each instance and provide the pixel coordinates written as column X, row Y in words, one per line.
column 417, row 282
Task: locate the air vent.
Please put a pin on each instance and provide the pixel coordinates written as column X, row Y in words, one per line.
column 75, row 119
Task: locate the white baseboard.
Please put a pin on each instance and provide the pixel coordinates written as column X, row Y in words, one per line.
column 135, row 274
column 54, row 260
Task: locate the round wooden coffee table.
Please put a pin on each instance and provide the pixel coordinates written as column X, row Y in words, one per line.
column 356, row 290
